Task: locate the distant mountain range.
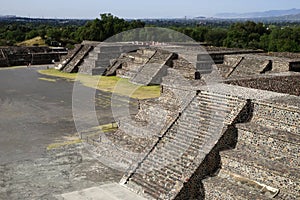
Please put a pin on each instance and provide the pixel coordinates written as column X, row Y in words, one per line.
column 265, row 14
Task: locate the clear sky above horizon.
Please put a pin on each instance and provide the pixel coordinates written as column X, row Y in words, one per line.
column 90, row 9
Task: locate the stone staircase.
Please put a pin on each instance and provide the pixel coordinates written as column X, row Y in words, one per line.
column 156, row 68
column 180, row 151
column 77, row 58
column 265, row 162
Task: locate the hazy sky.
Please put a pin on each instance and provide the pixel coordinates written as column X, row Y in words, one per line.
column 137, row 8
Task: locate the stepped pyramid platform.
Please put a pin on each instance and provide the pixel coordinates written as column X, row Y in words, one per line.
column 177, row 157
column 236, row 139
column 102, row 56
column 243, row 65
column 227, row 142
column 149, row 65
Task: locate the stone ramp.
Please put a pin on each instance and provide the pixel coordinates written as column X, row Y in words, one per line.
column 110, row 191
column 181, row 150
column 71, row 54
column 153, row 71
column 250, row 66
column 77, row 58
column 241, row 66
column 265, row 160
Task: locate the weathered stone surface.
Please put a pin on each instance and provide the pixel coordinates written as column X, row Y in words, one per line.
column 61, row 170
column 287, row 83
column 16, row 56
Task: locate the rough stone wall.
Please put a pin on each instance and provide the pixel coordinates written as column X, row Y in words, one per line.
column 14, row 56
column 264, row 162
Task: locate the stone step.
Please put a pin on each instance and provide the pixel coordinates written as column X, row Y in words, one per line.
column 206, row 118
column 222, row 100
column 201, row 131
column 218, row 188
column 159, row 167
column 220, row 96
column 259, row 169
column 211, row 112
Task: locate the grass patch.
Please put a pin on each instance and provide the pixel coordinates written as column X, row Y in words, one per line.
column 109, row 84
column 57, row 73
column 47, row 79
column 94, row 131
column 61, row 144
column 34, row 41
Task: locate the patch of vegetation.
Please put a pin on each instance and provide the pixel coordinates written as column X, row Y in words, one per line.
column 111, row 84
column 47, row 79
column 61, row 144
column 36, row 41
column 277, row 37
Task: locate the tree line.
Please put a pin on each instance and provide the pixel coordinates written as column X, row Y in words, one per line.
column 237, row 35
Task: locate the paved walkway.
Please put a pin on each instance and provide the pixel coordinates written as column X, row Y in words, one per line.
column 111, row 191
